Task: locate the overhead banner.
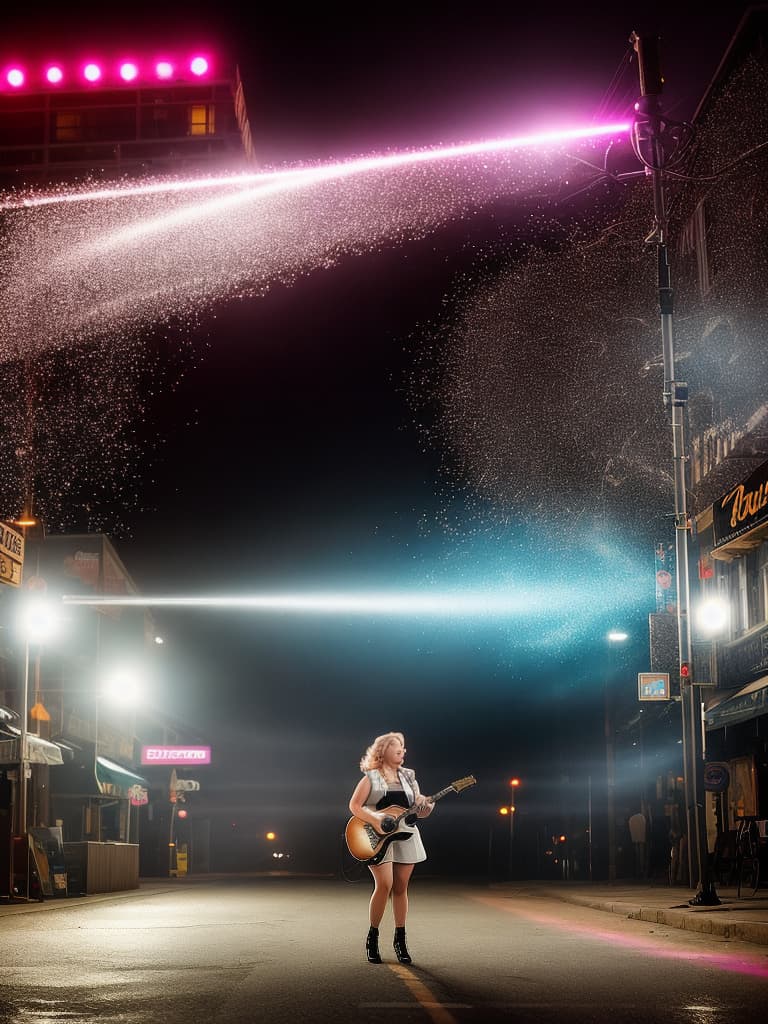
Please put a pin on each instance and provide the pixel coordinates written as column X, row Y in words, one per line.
column 742, row 509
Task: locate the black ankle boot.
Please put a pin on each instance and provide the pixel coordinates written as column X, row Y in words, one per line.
column 401, row 950
column 372, row 946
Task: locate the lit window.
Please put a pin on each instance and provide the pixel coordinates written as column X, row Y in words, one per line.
column 67, row 127
column 202, row 120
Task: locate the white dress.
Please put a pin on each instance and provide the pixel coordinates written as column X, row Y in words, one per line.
column 401, row 851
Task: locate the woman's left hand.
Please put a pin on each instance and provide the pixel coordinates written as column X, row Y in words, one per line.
column 425, row 809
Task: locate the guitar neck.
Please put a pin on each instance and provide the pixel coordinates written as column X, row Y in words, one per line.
column 438, row 796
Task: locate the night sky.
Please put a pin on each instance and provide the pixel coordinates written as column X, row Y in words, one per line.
column 290, row 454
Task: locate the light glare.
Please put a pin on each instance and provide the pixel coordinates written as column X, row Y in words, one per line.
column 128, row 71
column 92, row 72
column 15, row 78
column 164, row 69
column 54, row 74
column 198, row 66
column 713, row 615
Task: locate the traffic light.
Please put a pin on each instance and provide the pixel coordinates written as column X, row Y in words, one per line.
column 514, row 782
column 685, row 670
column 182, row 813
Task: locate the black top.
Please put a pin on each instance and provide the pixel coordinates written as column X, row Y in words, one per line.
column 393, row 798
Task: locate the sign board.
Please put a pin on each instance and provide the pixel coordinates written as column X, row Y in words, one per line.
column 653, row 686
column 47, row 847
column 138, row 795
column 186, row 786
column 11, row 555
column 742, row 509
column 716, row 777
column 176, row 755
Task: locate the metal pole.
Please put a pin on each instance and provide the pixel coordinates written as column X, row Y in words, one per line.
column 610, row 779
column 511, row 839
column 649, row 131
column 589, row 825
column 23, row 746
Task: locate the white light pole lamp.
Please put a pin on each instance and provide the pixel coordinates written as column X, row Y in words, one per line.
column 38, row 622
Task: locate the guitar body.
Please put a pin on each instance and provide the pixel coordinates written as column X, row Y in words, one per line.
column 366, row 843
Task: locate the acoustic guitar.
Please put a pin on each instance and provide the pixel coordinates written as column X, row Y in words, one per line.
column 370, row 843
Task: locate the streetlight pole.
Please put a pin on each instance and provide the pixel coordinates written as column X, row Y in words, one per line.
column 656, row 139
column 23, row 762
column 614, row 637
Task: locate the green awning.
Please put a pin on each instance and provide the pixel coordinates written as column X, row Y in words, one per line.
column 115, row 780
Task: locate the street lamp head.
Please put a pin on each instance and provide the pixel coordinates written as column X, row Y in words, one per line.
column 38, row 620
column 713, row 616
column 617, row 636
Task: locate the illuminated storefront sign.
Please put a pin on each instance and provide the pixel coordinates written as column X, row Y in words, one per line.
column 743, row 508
column 176, row 755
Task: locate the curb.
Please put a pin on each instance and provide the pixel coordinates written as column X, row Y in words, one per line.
column 714, row 921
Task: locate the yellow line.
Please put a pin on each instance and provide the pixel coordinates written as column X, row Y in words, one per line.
column 426, row 999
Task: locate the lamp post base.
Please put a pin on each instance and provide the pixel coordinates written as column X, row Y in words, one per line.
column 706, row 897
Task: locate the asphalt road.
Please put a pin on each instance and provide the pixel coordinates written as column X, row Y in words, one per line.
column 291, row 949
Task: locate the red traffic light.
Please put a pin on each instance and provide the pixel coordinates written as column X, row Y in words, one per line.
column 182, row 813
column 685, row 670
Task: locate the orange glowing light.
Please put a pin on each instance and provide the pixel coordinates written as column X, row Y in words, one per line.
column 271, row 836
column 504, row 810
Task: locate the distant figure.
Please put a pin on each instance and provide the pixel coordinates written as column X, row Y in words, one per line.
column 386, row 783
column 638, row 829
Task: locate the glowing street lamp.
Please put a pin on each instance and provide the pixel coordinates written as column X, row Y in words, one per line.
column 38, row 622
column 713, row 616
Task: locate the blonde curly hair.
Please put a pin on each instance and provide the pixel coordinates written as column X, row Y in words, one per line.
column 374, row 755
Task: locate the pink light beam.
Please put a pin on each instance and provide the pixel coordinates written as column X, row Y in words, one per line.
column 307, row 176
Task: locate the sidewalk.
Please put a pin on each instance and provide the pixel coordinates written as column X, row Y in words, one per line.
column 744, row 918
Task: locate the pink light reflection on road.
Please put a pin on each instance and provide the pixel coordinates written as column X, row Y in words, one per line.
column 735, row 963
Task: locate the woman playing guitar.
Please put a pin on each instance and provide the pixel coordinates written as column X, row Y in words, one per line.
column 387, row 784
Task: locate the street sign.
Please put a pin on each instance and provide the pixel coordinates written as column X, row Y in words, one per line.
column 716, row 777
column 186, row 786
column 653, row 686
column 11, row 555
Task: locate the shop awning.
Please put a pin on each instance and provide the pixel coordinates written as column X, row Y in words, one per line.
column 748, row 702
column 114, row 779
column 39, row 751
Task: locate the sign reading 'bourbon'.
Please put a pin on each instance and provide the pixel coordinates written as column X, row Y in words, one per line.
column 743, row 508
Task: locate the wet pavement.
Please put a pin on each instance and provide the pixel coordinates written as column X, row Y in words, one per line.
column 742, row 917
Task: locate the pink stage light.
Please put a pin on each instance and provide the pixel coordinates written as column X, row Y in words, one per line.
column 92, row 72
column 54, row 74
column 15, row 78
column 164, row 69
column 199, row 66
column 128, row 71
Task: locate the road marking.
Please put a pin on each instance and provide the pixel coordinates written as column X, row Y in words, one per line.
column 436, row 1010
